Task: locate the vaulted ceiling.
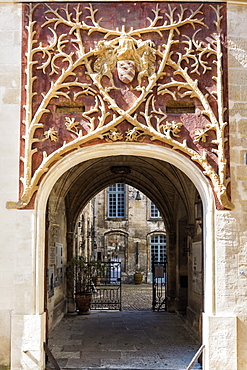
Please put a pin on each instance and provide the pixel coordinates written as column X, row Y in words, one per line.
column 167, row 186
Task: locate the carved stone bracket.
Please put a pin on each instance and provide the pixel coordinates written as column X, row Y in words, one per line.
column 123, row 78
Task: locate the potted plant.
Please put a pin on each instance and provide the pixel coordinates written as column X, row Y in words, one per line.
column 80, row 276
column 138, row 277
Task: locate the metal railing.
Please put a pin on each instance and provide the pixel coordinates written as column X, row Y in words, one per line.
column 195, row 358
column 159, row 299
column 107, row 292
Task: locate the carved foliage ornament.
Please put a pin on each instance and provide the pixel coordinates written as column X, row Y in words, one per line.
column 111, row 83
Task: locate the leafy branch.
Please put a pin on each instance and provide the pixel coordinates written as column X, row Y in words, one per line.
column 175, row 20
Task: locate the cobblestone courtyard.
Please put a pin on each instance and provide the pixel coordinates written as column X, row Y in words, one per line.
column 136, row 297
column 136, row 338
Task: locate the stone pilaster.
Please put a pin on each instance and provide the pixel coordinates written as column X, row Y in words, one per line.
column 27, row 340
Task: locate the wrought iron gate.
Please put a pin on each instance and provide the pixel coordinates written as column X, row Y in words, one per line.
column 108, row 290
column 159, row 301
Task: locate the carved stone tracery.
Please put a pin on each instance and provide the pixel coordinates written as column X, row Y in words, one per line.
column 124, row 78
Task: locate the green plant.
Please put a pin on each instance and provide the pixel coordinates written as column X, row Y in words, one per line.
column 81, row 274
column 139, row 271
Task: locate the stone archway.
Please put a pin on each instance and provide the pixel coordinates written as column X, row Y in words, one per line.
column 108, row 151
column 150, row 88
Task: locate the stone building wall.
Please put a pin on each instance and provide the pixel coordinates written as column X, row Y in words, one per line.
column 231, row 226
column 22, row 319
column 128, row 237
column 15, row 273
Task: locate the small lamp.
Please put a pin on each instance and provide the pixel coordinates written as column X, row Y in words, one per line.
column 138, row 196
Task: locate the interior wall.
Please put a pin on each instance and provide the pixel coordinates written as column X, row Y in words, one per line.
column 182, row 269
column 56, row 294
column 195, row 284
column 185, row 291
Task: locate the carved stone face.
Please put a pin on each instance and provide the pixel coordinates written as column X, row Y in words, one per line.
column 126, row 70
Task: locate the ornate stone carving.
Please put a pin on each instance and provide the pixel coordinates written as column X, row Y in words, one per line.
column 134, row 134
column 82, row 58
column 171, row 128
column 126, row 70
column 51, row 134
column 72, row 125
column 112, row 135
column 130, row 55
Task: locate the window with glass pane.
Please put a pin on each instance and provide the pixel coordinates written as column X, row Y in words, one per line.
column 158, row 247
column 116, row 200
column 154, row 212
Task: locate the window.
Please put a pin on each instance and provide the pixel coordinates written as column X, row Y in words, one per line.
column 116, row 200
column 158, row 247
column 154, row 212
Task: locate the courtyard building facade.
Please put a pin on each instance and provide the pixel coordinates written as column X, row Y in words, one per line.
column 124, row 224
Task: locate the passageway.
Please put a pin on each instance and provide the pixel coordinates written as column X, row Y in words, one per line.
column 131, row 339
column 128, row 339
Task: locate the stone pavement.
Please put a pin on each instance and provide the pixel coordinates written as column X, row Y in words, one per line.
column 136, row 297
column 131, row 339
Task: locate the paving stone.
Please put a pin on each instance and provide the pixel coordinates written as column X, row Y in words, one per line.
column 134, row 340
column 73, row 348
column 123, row 363
column 118, row 347
column 68, row 355
column 83, row 362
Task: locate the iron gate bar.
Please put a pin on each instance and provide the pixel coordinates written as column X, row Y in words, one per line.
column 159, row 299
column 108, row 290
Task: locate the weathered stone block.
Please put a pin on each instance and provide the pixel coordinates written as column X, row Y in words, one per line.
column 234, row 92
column 27, row 338
column 241, row 173
column 237, row 75
column 5, row 339
column 221, row 345
column 242, row 343
column 239, row 107
column 244, row 206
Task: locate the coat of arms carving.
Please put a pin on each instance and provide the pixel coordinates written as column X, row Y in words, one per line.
column 126, row 70
column 129, row 56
